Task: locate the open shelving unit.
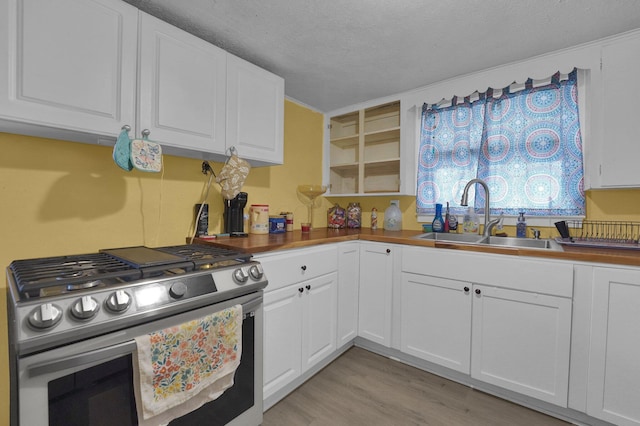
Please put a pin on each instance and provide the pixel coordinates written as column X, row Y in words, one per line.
column 365, row 151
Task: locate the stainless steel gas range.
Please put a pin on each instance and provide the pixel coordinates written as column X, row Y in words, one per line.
column 73, row 321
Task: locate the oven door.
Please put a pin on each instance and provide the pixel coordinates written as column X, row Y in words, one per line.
column 90, row 383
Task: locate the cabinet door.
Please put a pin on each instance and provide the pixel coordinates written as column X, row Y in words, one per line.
column 621, row 88
column 348, row 278
column 521, row 342
column 376, row 281
column 68, row 64
column 436, row 320
column 182, row 84
column 319, row 319
column 282, row 337
column 255, row 112
column 614, row 376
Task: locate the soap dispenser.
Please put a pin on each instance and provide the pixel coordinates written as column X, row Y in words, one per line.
column 521, row 226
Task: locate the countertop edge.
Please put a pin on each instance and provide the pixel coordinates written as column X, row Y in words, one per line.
column 255, row 244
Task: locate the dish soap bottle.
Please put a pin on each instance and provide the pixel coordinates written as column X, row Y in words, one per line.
column 438, row 224
column 470, row 224
column 393, row 218
column 521, row 226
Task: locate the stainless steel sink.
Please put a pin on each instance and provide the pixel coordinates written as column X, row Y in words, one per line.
column 448, row 237
column 529, row 243
column 526, row 243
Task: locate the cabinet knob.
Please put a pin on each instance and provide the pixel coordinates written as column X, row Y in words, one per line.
column 301, row 289
column 478, row 291
column 388, row 251
column 466, row 289
column 308, row 287
column 146, row 133
column 303, row 267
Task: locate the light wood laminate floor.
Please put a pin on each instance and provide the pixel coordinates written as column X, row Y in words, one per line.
column 363, row 388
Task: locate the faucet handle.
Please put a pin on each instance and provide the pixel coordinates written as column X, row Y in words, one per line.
column 536, row 233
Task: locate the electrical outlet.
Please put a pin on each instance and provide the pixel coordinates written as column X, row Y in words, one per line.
column 395, row 203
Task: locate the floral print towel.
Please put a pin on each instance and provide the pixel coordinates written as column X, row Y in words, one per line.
column 178, row 369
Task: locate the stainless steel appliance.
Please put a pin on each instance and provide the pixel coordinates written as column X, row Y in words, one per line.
column 73, row 321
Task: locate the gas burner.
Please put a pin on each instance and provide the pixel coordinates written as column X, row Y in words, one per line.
column 84, row 286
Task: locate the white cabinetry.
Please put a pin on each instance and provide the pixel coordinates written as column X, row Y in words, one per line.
column 614, row 376
column 182, row 88
column 375, row 293
column 521, row 342
column 81, row 69
column 255, row 112
column 619, row 150
column 300, row 313
column 348, row 279
column 519, row 314
column 436, row 320
column 68, row 64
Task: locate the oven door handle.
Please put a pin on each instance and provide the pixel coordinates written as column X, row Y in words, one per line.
column 105, row 354
column 102, row 354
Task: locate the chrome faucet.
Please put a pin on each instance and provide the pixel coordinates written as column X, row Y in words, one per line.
column 488, row 223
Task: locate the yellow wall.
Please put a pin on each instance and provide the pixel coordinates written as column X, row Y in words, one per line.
column 65, row 198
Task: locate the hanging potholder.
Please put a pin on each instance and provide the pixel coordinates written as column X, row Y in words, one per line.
column 122, row 151
column 146, row 155
column 232, row 176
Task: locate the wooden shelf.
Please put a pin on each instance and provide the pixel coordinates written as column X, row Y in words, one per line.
column 345, row 141
column 382, row 136
column 364, row 148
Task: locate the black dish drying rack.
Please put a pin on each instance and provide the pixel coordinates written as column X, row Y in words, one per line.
column 602, row 234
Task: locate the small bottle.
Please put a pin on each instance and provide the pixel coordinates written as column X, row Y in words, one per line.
column 470, row 224
column 393, row 218
column 521, row 226
column 374, row 218
column 446, row 218
column 438, row 224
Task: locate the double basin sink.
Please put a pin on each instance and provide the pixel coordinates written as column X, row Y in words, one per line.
column 525, row 243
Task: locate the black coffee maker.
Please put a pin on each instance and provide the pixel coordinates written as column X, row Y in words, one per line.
column 234, row 215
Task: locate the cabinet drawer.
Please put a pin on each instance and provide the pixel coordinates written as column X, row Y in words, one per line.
column 289, row 267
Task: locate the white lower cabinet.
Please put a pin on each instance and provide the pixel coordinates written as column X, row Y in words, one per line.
column 613, row 393
column 498, row 329
column 300, row 312
column 300, row 329
column 521, row 342
column 436, row 320
column 348, row 279
column 375, row 292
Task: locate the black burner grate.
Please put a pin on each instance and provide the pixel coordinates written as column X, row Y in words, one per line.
column 34, row 274
column 201, row 254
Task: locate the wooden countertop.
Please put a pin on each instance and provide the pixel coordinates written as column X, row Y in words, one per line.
column 258, row 243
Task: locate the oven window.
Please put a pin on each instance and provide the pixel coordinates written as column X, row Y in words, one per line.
column 97, row 396
column 103, row 395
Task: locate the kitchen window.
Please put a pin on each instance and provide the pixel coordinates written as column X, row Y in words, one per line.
column 524, row 141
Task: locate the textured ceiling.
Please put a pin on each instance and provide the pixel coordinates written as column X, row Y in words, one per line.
column 335, row 53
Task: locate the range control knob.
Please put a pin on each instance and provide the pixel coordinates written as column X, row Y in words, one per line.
column 256, row 271
column 85, row 308
column 45, row 316
column 178, row 289
column 240, row 276
column 118, row 301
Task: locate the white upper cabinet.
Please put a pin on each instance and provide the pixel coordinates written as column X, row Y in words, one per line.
column 182, row 85
column 68, row 64
column 619, row 148
column 81, row 69
column 255, row 112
